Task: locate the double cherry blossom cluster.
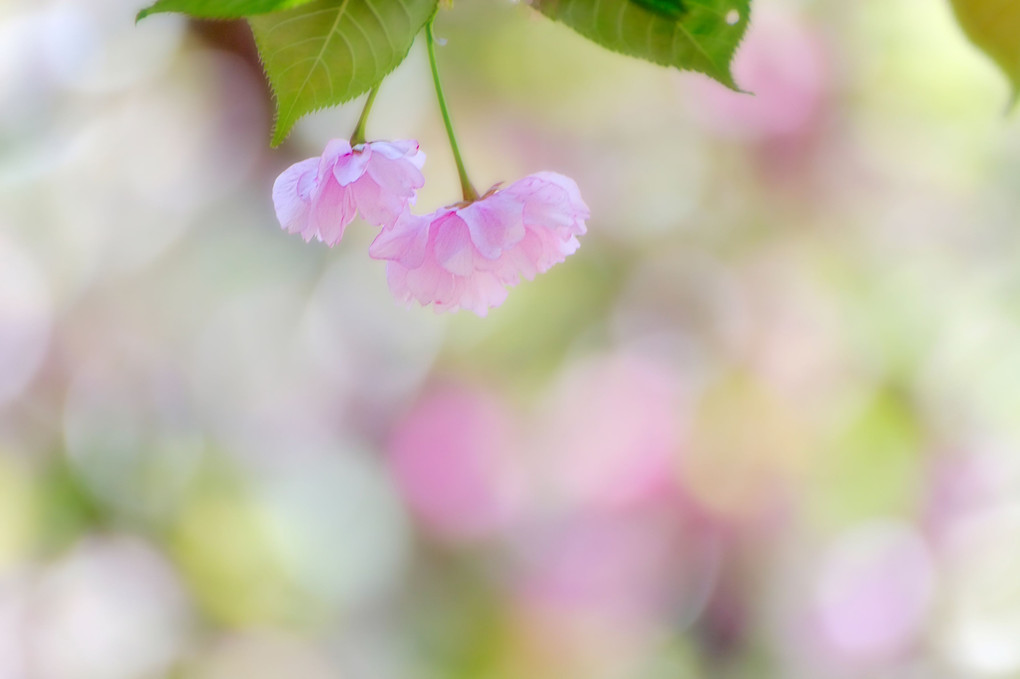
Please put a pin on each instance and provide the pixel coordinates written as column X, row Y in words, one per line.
column 462, row 256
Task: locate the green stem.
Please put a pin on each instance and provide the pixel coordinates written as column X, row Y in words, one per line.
column 470, row 194
column 359, row 131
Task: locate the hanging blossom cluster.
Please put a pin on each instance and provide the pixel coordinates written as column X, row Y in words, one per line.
column 462, row 256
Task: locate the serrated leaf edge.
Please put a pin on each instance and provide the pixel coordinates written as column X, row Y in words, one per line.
column 727, row 70
column 279, row 135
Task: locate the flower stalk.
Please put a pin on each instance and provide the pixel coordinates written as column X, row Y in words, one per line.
column 470, row 194
column 358, row 137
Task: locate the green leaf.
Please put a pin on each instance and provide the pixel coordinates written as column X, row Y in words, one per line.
column 329, row 51
column 994, row 26
column 695, row 35
column 219, row 9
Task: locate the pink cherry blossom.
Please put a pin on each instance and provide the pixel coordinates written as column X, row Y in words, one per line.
column 465, row 255
column 319, row 197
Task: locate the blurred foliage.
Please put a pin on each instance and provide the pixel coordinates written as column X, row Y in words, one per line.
column 994, row 26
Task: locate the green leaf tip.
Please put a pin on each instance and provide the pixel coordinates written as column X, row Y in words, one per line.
column 693, row 35
column 327, row 52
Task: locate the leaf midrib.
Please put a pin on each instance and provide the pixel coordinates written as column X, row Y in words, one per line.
column 318, row 58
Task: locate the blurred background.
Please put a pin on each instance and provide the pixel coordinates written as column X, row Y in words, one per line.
column 765, row 422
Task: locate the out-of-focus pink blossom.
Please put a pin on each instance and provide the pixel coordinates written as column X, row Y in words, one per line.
column 963, row 485
column 464, row 256
column 872, row 600
column 319, row 197
column 782, row 63
column 637, row 567
column 611, row 436
column 450, row 459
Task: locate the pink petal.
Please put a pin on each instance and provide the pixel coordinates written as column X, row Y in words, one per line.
column 399, row 177
column 404, row 242
column 332, row 211
column 377, row 206
column 388, row 180
column 292, row 196
column 551, row 201
column 568, row 185
column 335, row 149
column 523, row 260
column 431, row 283
column 396, row 277
column 496, row 223
column 451, row 243
column 546, row 248
column 374, row 206
column 350, row 168
column 484, row 292
column 404, row 148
